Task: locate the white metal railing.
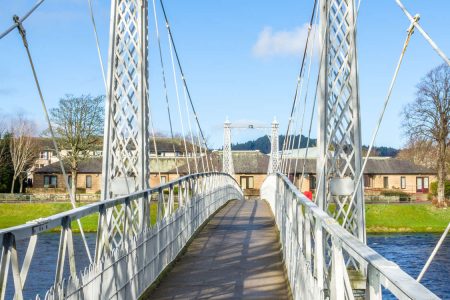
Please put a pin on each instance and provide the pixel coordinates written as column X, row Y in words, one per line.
column 127, row 270
column 316, row 250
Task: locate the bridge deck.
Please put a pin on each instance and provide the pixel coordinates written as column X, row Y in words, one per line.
column 236, row 255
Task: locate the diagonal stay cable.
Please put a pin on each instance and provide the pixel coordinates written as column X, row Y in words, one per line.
column 177, row 96
column 99, row 53
column 415, row 21
column 166, row 94
column 183, row 77
column 294, row 102
column 20, row 20
column 383, row 110
column 311, row 54
column 22, row 32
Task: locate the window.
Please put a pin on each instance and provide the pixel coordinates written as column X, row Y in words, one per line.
column 163, row 179
column 69, row 179
column 247, row 182
column 43, row 154
column 385, row 182
column 88, row 181
column 368, row 181
column 403, row 182
column 312, row 182
column 50, row 181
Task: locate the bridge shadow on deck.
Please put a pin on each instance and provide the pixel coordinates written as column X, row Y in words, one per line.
column 235, row 256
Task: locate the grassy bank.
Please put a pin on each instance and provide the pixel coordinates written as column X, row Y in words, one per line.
column 16, row 214
column 380, row 218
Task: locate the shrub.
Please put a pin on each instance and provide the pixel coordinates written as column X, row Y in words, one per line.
column 396, row 193
column 433, row 188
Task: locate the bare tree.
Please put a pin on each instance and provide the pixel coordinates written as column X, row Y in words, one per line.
column 3, row 147
column 78, row 125
column 427, row 118
column 22, row 147
column 421, row 152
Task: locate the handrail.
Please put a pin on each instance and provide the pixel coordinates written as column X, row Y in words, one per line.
column 133, row 246
column 302, row 223
column 44, row 224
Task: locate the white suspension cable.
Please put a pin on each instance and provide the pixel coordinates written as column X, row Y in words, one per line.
column 102, row 69
column 311, row 54
column 415, row 21
column 178, row 97
column 194, row 150
column 21, row 20
column 21, row 30
column 383, row 110
column 163, row 73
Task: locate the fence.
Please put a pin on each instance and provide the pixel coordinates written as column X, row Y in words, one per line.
column 5, row 198
column 316, row 250
column 136, row 238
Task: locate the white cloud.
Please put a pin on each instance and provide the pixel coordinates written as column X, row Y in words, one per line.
column 282, row 43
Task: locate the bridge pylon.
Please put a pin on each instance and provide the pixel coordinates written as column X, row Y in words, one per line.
column 274, row 148
column 339, row 137
column 126, row 136
column 227, row 162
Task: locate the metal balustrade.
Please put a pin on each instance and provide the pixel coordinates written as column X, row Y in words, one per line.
column 316, row 248
column 124, row 271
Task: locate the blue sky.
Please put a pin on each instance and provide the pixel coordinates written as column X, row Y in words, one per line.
column 228, row 73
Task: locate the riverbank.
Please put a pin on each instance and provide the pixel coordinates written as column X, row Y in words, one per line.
column 385, row 218
column 380, row 218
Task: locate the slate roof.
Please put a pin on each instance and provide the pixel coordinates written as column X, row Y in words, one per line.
column 375, row 165
column 167, row 144
column 90, row 166
column 255, row 162
column 248, row 162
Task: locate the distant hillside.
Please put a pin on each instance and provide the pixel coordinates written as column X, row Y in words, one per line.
column 263, row 144
column 381, row 151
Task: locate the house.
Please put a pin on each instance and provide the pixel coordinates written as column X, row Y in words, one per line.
column 250, row 169
column 169, row 154
column 381, row 173
column 49, row 179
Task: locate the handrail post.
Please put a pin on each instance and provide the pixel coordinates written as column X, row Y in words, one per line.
column 373, row 287
column 318, row 255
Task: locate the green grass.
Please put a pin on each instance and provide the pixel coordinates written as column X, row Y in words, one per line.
column 17, row 214
column 381, row 218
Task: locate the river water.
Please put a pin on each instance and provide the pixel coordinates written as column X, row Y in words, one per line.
column 409, row 251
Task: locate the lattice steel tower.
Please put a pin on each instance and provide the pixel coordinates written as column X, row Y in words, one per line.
column 339, row 137
column 227, row 161
column 274, row 150
column 125, row 148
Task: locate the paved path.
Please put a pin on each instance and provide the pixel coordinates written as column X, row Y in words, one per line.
column 235, row 256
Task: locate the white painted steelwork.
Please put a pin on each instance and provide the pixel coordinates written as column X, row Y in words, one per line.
column 227, row 161
column 182, row 206
column 274, row 149
column 126, row 134
column 315, row 275
column 339, row 136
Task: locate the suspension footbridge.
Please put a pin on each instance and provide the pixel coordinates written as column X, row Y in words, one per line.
column 196, row 236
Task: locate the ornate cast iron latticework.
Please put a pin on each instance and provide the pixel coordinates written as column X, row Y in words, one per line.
column 227, row 163
column 125, row 151
column 274, row 151
column 339, row 138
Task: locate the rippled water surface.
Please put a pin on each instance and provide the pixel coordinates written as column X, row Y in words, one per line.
column 409, row 251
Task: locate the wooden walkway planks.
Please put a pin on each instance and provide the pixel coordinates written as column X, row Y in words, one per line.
column 235, row 256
